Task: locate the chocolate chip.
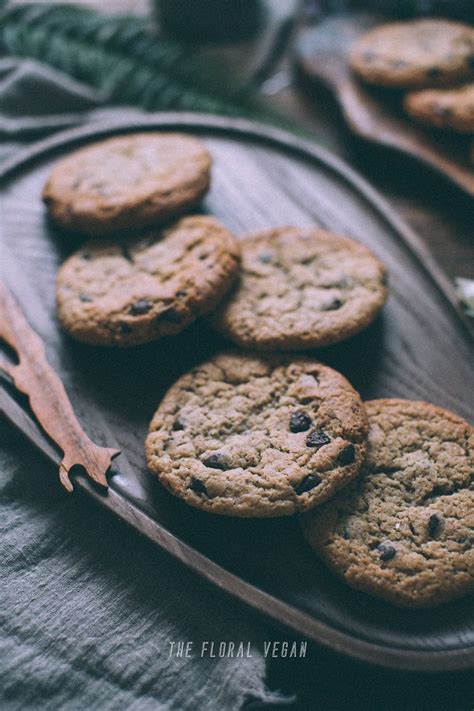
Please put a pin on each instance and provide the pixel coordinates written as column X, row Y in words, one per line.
column 124, row 328
column 170, row 316
column 178, row 425
column 203, row 256
column 347, row 456
column 317, row 438
column 333, row 305
column 434, row 525
column 346, row 535
column 433, row 73
column 197, row 486
column 86, row 256
column 86, row 299
column 299, row 422
column 181, row 293
column 386, row 551
column 306, row 484
column 142, row 306
column 216, row 461
column 442, row 111
column 265, row 257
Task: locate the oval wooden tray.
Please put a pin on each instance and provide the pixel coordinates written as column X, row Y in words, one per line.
column 419, row 348
column 376, row 114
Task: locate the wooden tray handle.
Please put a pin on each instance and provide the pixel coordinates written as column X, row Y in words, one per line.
column 34, row 377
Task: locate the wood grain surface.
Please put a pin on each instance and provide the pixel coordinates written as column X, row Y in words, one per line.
column 419, row 348
column 376, row 114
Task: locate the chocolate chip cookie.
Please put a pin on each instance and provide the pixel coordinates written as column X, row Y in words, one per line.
column 301, row 288
column 404, row 531
column 248, row 436
column 418, row 53
column 127, row 182
column 130, row 292
column 443, row 108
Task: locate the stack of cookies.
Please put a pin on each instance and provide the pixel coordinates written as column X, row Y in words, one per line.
column 139, row 281
column 386, row 488
column 433, row 60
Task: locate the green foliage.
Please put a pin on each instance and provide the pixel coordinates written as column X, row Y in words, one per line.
column 125, row 59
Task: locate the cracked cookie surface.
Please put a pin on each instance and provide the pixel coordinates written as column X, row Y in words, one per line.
column 301, row 288
column 443, row 108
column 127, row 182
column 130, row 292
column 404, row 530
column 250, row 436
column 415, row 54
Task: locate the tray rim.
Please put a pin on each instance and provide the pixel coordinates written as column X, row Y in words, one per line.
column 264, row 603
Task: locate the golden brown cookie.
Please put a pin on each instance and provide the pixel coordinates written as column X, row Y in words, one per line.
column 127, row 182
column 443, row 108
column 248, row 436
column 417, row 53
column 301, row 288
column 404, row 530
column 129, row 292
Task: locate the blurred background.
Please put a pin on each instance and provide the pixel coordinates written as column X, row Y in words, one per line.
column 239, row 43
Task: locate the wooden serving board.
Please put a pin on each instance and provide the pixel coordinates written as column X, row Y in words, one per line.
column 419, row 348
column 376, row 114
